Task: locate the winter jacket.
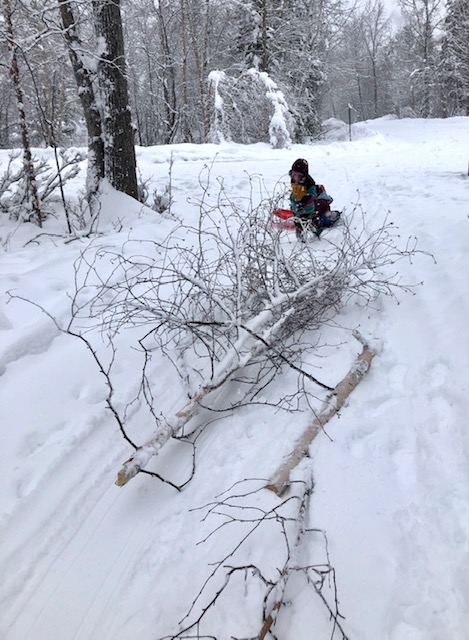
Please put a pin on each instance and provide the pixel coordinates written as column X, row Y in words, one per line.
column 309, row 198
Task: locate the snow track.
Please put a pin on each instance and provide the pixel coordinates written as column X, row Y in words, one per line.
column 409, row 443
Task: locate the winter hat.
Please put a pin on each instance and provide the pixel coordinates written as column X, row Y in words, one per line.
column 301, row 166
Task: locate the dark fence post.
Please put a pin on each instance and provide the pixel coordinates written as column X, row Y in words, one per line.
column 350, row 122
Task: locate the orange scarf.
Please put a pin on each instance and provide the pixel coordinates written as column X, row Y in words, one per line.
column 298, row 190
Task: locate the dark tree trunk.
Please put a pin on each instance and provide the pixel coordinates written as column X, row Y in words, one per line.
column 168, row 81
column 119, row 148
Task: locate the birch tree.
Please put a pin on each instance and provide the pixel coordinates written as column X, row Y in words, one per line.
column 84, row 70
column 236, row 307
column 29, row 175
column 231, row 305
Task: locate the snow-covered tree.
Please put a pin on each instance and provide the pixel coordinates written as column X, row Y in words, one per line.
column 375, row 31
column 85, row 71
column 249, row 108
column 171, row 46
column 423, row 19
column 51, row 104
column 455, row 59
column 28, row 183
column 280, row 125
column 310, row 32
column 219, row 130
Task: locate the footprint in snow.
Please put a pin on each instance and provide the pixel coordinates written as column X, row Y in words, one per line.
column 437, row 374
column 35, row 441
column 379, row 406
column 396, row 378
column 405, row 631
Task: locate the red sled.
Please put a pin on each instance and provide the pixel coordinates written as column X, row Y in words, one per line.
column 282, row 219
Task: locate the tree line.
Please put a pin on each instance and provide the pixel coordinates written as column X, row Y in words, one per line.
column 209, row 70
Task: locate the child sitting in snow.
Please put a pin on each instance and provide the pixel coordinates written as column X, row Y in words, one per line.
column 309, row 201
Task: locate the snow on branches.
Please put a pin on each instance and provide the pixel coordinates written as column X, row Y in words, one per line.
column 226, row 300
column 249, row 106
column 278, row 129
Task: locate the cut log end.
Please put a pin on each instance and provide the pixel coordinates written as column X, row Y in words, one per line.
column 277, row 488
column 128, row 471
column 121, row 479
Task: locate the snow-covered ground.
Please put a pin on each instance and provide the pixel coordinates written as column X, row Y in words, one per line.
column 82, row 558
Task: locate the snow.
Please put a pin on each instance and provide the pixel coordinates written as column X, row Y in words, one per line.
column 278, row 130
column 82, row 558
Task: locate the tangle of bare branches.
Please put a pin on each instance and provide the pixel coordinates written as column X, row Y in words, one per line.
column 282, row 526
column 227, row 302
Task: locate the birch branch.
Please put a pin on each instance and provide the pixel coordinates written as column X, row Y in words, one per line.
column 280, row 479
column 291, row 560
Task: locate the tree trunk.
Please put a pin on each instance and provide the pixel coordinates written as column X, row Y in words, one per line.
column 168, row 80
column 200, row 48
column 84, row 80
column 119, row 149
column 28, row 165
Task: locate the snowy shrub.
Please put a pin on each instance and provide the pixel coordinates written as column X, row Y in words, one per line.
column 408, row 112
column 249, row 108
column 160, row 199
column 50, row 180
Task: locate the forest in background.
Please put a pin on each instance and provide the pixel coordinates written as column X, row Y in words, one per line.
column 207, row 70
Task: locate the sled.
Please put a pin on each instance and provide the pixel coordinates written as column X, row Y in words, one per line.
column 283, row 219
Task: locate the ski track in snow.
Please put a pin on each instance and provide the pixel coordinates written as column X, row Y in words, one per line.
column 81, row 558
column 421, row 405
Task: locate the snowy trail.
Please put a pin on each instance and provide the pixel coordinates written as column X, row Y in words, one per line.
column 432, row 456
column 81, row 558
column 408, row 443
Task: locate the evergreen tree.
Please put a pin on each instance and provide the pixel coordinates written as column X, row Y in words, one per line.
column 455, row 59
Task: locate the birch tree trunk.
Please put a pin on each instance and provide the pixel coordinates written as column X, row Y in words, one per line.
column 84, row 77
column 331, row 407
column 28, row 165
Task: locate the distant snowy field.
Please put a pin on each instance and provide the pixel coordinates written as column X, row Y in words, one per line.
column 82, row 558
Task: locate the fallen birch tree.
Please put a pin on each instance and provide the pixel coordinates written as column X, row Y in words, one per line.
column 227, row 300
column 256, row 337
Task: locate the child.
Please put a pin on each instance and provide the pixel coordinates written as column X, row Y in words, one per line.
column 309, row 201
